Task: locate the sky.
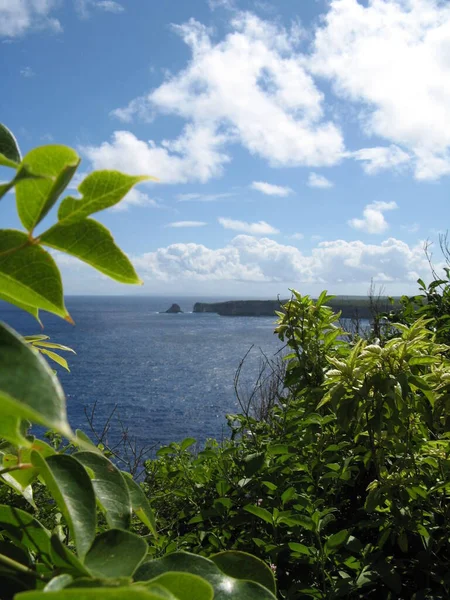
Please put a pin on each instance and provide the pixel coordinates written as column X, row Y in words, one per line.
column 298, row 143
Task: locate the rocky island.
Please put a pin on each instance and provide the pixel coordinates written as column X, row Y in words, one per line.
column 350, row 306
column 174, row 309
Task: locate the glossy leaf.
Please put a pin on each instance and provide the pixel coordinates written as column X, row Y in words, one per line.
column 35, row 197
column 262, row 513
column 100, row 190
column 65, row 560
column 26, row 530
column 104, row 593
column 110, row 488
column 58, row 583
column 140, row 504
column 70, row 486
column 29, row 275
column 337, row 540
column 28, row 388
column 115, row 553
column 245, row 566
column 184, row 586
column 225, row 587
column 92, row 243
column 9, row 149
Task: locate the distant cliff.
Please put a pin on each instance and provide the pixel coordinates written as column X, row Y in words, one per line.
column 351, row 306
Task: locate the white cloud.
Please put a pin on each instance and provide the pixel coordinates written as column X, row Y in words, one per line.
column 110, row 6
column 413, row 228
column 204, row 197
column 194, row 156
column 391, row 58
column 135, row 198
column 373, row 220
column 381, row 158
column 278, row 113
column 19, row 16
column 258, row 228
column 27, row 72
column 297, row 236
column 182, row 224
column 264, row 260
column 319, row 181
column 270, row 189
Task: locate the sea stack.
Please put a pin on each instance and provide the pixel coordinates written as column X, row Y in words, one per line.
column 175, row 308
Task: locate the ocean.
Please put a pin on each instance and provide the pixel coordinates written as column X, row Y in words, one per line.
column 170, row 375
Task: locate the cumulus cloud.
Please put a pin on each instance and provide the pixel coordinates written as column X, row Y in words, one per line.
column 270, row 189
column 319, row 181
column 194, row 156
column 381, row 158
column 251, row 259
column 373, row 220
column 19, row 16
column 278, row 113
column 183, row 224
column 258, row 228
column 391, row 58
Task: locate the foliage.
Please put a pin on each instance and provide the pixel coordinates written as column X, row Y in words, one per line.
column 86, row 548
column 344, row 489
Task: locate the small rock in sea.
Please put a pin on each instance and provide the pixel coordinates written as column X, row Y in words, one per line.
column 175, row 308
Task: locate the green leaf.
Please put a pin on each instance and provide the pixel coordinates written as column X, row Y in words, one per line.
column 35, row 197
column 39, row 344
column 26, row 530
column 184, row 586
column 186, row 443
column 100, row 190
column 23, row 173
column 337, row 540
column 262, row 513
column 241, row 565
column 29, row 275
column 140, row 504
column 253, row 463
column 28, row 308
column 65, row 560
column 70, row 486
column 110, row 488
column 115, row 553
column 103, row 593
column 58, row 583
column 299, row 548
column 424, row 360
column 9, row 149
column 225, row 587
column 92, row 243
column 28, row 389
column 61, row 361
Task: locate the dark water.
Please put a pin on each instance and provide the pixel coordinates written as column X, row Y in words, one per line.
column 170, row 375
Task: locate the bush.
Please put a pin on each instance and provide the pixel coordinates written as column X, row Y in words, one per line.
column 345, row 488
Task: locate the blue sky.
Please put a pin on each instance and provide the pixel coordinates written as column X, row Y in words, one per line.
column 298, row 143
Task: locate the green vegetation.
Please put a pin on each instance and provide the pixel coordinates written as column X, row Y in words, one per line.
column 339, row 486
column 343, row 486
column 67, row 513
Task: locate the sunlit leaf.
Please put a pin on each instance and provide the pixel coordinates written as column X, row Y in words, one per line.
column 92, row 243
column 100, row 190
column 35, row 197
column 9, row 148
column 29, row 275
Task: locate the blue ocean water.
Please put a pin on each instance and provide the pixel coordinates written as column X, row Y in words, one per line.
column 170, row 375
